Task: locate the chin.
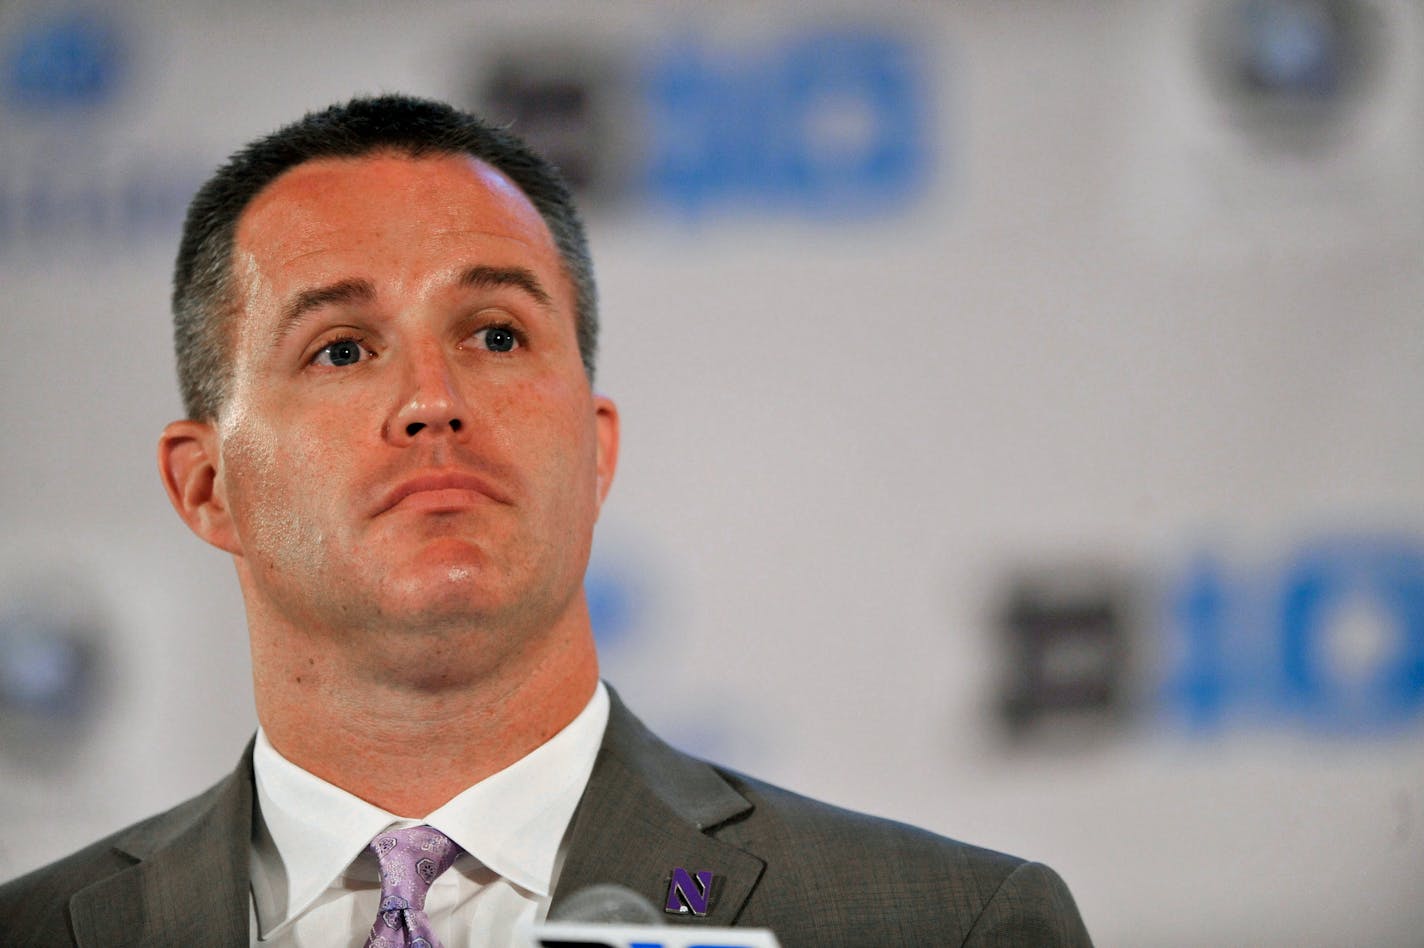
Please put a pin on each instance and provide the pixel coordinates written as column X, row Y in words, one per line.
column 449, row 591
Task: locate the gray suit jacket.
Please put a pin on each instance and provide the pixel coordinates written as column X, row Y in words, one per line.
column 815, row 874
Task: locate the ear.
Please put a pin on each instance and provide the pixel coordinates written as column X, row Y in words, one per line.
column 187, row 463
column 605, row 420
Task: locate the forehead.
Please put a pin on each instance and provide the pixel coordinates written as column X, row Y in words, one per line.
column 387, row 212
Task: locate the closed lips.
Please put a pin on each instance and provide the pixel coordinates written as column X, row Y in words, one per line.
column 449, row 486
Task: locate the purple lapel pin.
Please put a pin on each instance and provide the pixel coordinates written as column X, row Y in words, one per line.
column 689, row 892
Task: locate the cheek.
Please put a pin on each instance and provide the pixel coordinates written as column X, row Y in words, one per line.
column 285, row 448
column 551, row 426
column 274, row 482
column 250, row 464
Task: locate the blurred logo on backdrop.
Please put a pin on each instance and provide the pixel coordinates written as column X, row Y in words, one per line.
column 53, row 634
column 71, row 60
column 615, row 601
column 78, row 169
column 1065, row 635
column 1328, row 640
column 1291, row 73
column 646, row 650
column 819, row 123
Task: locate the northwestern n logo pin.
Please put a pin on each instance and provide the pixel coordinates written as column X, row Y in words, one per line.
column 689, row 892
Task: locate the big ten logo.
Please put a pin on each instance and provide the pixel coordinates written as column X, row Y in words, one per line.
column 827, row 123
column 1332, row 640
column 1328, row 639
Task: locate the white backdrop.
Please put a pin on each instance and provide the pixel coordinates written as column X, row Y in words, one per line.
column 1110, row 331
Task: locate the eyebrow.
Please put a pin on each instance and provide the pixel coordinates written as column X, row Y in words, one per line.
column 354, row 290
column 482, row 277
column 357, row 290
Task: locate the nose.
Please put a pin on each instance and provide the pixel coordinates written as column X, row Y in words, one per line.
column 430, row 403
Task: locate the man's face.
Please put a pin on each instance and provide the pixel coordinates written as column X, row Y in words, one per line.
column 411, row 440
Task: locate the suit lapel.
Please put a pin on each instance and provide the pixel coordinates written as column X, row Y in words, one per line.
column 189, row 884
column 649, row 809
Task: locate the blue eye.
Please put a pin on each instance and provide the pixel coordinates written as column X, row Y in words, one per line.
column 341, row 352
column 498, row 339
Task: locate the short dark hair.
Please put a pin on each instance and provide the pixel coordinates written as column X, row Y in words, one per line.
column 203, row 295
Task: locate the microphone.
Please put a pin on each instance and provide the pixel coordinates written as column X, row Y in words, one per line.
column 606, row 902
column 613, row 916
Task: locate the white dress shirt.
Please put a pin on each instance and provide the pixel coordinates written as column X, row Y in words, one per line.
column 314, row 882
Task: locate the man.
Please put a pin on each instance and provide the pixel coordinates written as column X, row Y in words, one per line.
column 385, row 325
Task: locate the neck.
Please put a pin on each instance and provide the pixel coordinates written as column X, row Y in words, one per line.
column 365, row 719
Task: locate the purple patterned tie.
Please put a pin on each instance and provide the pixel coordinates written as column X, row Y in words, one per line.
column 410, row 860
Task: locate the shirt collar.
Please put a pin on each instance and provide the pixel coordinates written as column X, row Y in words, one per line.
column 309, row 831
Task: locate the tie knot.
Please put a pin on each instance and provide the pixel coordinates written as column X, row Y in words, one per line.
column 410, row 860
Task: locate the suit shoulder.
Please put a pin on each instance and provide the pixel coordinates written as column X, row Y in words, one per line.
column 33, row 907
column 783, row 816
column 834, row 876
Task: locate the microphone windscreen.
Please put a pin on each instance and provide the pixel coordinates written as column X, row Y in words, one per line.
column 607, row 903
